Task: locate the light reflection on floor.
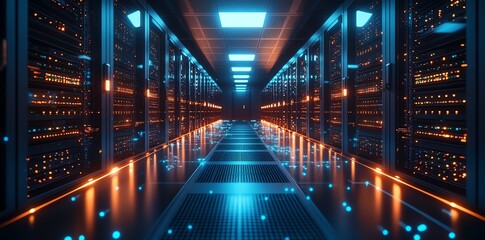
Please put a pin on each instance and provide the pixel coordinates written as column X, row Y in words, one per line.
column 359, row 202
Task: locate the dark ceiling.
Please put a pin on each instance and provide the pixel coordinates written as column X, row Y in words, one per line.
column 288, row 25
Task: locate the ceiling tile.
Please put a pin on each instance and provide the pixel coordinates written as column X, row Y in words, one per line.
column 273, row 21
column 271, row 33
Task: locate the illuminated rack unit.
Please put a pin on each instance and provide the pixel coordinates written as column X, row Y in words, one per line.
column 292, row 81
column 314, row 109
column 302, row 97
column 63, row 103
column 192, row 101
column 156, row 88
column 128, row 88
column 333, row 75
column 434, row 133
column 197, row 96
column 365, row 100
column 184, row 94
column 172, row 99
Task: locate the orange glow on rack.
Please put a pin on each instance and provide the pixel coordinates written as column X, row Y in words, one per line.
column 107, row 85
column 91, row 181
column 344, row 92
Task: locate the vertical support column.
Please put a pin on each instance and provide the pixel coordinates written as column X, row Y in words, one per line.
column 21, row 110
column 323, row 125
column 146, row 45
column 9, row 137
column 475, row 185
column 107, row 43
column 164, row 84
column 389, row 26
column 345, row 78
column 307, row 81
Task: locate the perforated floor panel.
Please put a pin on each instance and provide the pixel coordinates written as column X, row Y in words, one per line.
column 218, row 216
column 241, row 140
column 242, row 173
column 241, row 156
column 241, row 147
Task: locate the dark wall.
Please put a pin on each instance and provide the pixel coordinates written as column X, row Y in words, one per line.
column 241, row 106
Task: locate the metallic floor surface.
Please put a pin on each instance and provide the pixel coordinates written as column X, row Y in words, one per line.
column 200, row 187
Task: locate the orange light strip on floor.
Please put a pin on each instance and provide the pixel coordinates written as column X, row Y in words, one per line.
column 91, row 181
column 395, row 178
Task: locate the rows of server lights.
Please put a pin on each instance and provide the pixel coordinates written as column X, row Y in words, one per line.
column 241, row 20
column 431, row 124
column 64, row 101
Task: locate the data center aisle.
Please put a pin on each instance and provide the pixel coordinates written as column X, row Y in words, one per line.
column 242, row 191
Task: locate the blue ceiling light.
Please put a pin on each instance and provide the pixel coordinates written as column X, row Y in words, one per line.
column 241, row 85
column 241, row 81
column 242, row 19
column 241, row 57
column 241, row 69
column 135, row 18
column 241, row 76
column 449, row 27
column 361, row 18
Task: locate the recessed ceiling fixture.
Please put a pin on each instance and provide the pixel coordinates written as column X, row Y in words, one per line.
column 242, row 19
column 241, row 57
column 241, row 81
column 241, row 69
column 241, row 76
column 241, row 85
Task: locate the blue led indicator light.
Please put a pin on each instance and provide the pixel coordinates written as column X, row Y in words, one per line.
column 102, row 214
column 189, row 227
column 73, row 199
column 116, row 235
column 210, row 192
column 416, row 237
column 169, row 231
column 68, row 238
column 263, row 217
column 266, row 198
column 311, row 189
column 330, row 185
column 5, row 139
column 422, row 228
column 451, row 235
column 348, row 209
column 81, row 237
column 408, row 228
column 344, row 204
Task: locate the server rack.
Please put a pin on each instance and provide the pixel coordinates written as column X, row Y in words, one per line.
column 366, row 90
column 63, row 127
column 156, row 87
column 333, row 73
column 434, row 128
column 302, row 93
column 184, row 87
column 314, row 109
column 172, row 94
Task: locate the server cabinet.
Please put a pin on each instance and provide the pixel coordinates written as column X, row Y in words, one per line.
column 314, row 82
column 333, row 73
column 184, row 88
column 63, row 100
column 128, row 81
column 156, row 87
column 302, row 93
column 433, row 128
column 365, row 87
column 172, row 80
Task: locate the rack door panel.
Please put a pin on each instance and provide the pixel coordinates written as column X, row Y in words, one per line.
column 63, row 102
column 302, row 94
column 433, row 132
column 314, row 91
column 365, row 133
column 156, row 96
column 172, row 99
column 184, row 101
column 334, row 77
column 128, row 88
